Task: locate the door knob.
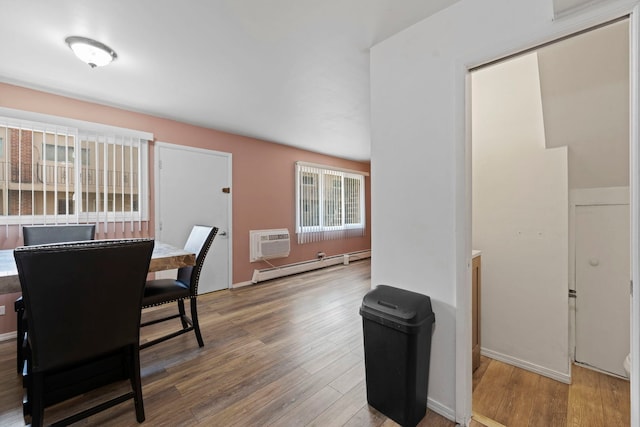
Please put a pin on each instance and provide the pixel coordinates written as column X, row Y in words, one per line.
column 223, row 233
column 594, row 262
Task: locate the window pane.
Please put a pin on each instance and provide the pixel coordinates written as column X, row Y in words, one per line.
column 58, row 153
column 332, row 200
column 65, row 207
column 110, row 176
column 309, row 199
column 352, row 200
column 88, row 177
column 21, row 178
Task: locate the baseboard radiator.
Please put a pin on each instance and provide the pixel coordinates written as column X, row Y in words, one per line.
column 301, row 267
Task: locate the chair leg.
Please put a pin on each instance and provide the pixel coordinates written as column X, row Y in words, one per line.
column 194, row 320
column 20, row 330
column 136, row 384
column 19, row 343
column 37, row 404
column 183, row 314
column 27, row 384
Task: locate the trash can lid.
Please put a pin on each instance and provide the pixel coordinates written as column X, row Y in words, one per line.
column 398, row 308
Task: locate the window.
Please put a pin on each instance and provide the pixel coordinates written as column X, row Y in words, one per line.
column 329, row 203
column 66, row 154
column 42, row 180
column 65, row 206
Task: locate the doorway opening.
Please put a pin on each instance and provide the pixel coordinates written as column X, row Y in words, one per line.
column 548, row 127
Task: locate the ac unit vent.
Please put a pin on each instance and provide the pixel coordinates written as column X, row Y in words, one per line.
column 269, row 244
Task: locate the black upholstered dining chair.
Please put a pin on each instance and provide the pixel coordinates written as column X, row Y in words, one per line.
column 185, row 286
column 45, row 234
column 83, row 301
column 40, row 235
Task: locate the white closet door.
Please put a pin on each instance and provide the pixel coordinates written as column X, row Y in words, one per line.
column 602, row 284
column 189, row 190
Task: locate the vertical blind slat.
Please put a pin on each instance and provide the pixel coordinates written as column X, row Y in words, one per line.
column 5, row 193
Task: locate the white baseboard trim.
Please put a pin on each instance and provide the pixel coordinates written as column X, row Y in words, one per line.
column 8, row 336
column 440, row 409
column 309, row 265
column 527, row 366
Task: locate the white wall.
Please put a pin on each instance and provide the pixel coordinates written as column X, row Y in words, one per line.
column 584, row 82
column 564, row 6
column 520, row 221
column 420, row 213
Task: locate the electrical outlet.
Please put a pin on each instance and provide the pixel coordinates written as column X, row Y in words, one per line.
column 2, row 310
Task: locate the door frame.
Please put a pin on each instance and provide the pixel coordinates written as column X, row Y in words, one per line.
column 156, row 200
column 560, row 29
column 634, row 152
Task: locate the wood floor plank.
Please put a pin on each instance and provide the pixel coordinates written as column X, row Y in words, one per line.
column 491, row 391
column 585, row 401
column 245, row 409
column 367, row 416
column 432, row 419
column 478, row 373
column 341, row 411
column 329, row 353
column 309, row 409
column 516, row 407
column 350, row 379
column 616, row 403
column 287, row 395
column 216, row 395
column 550, row 403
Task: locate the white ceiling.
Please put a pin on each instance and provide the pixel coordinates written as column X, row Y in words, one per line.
column 294, row 72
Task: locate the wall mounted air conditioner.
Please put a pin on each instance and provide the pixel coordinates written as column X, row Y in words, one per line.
column 269, row 244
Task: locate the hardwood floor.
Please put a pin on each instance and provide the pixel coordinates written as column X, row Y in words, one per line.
column 506, row 395
column 289, row 352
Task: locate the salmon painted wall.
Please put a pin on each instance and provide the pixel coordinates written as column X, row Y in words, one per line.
column 263, row 172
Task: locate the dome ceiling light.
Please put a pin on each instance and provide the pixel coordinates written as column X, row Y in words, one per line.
column 92, row 52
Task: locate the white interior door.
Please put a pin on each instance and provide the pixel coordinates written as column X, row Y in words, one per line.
column 189, row 190
column 602, row 286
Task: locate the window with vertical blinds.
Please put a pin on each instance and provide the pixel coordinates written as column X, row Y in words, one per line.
column 53, row 174
column 329, row 203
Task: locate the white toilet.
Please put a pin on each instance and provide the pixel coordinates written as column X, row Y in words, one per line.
column 627, row 365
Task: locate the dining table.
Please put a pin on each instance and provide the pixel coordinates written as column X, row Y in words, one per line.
column 164, row 257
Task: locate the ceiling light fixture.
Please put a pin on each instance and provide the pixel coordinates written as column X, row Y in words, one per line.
column 92, row 52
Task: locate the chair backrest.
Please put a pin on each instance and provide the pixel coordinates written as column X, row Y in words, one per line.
column 45, row 234
column 199, row 242
column 84, row 299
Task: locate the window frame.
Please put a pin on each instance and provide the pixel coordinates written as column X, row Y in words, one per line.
column 322, row 229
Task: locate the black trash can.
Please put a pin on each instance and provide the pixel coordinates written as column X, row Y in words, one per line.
column 397, row 326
